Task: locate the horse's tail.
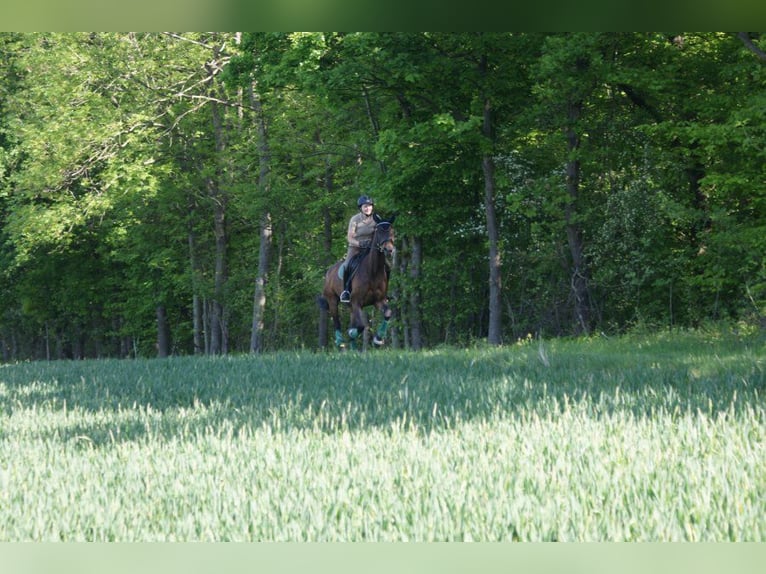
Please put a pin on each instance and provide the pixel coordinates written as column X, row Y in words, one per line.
column 323, row 304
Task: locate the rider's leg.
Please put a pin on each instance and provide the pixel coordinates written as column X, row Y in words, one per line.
column 345, row 296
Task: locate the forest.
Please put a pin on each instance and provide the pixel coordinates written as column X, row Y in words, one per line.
column 183, row 193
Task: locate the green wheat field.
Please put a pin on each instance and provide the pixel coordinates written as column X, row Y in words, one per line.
column 637, row 438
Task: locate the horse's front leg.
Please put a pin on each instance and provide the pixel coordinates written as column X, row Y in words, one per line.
column 380, row 335
column 357, row 324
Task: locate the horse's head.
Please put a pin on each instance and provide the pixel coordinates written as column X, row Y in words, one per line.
column 383, row 240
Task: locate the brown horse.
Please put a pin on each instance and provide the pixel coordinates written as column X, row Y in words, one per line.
column 369, row 286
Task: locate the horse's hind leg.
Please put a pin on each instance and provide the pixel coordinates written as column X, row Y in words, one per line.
column 332, row 308
column 339, row 340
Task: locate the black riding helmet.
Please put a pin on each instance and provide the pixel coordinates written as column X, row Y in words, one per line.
column 363, row 200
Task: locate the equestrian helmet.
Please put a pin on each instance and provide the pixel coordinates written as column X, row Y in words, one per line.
column 363, row 200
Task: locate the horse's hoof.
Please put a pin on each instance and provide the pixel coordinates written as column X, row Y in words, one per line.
column 378, row 342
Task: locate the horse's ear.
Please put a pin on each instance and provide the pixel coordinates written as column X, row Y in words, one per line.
column 377, row 218
column 393, row 218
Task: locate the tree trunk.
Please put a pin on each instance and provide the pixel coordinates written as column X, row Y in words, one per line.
column 579, row 276
column 216, row 192
column 416, row 320
column 495, row 332
column 259, row 296
column 217, row 328
column 197, row 312
column 264, row 250
column 218, row 343
column 197, row 325
column 327, row 248
column 275, row 276
column 702, row 222
column 47, row 342
column 163, row 332
column 394, row 295
column 206, row 324
column 403, row 261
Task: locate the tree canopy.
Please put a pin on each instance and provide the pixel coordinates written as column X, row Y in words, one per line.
column 184, row 192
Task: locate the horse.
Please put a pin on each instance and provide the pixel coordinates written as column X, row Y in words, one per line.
column 369, row 287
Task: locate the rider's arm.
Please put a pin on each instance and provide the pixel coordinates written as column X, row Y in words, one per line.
column 351, row 235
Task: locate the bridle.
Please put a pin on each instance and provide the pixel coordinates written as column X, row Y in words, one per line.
column 385, row 245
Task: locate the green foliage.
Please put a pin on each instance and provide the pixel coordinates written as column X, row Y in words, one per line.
column 625, row 252
column 118, row 152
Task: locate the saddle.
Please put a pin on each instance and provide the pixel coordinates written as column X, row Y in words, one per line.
column 352, row 265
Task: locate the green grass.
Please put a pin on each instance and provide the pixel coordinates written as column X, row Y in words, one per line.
column 639, row 438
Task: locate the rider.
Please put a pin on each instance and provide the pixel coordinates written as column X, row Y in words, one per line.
column 361, row 228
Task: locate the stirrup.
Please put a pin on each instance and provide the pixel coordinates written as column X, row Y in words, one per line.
column 345, row 297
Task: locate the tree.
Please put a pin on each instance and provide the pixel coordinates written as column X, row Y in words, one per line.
column 182, row 193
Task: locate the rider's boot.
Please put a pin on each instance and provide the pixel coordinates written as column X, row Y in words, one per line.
column 345, row 296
